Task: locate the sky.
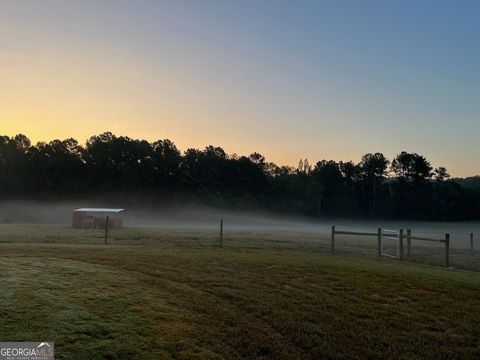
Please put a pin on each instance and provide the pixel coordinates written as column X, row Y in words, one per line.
column 288, row 79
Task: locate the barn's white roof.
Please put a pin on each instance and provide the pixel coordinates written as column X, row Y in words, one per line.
column 103, row 210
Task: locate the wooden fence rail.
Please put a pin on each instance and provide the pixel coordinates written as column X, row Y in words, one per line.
column 426, row 239
column 378, row 234
column 355, row 233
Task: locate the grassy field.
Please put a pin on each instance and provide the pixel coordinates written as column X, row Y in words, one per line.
column 422, row 252
column 154, row 295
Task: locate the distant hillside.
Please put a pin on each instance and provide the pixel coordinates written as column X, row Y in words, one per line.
column 472, row 182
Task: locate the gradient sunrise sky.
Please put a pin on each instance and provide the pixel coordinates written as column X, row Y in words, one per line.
column 289, row 79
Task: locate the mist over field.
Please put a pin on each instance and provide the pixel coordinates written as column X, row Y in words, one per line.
column 206, row 218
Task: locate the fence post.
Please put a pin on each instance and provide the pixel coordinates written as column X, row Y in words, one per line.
column 471, row 241
column 332, row 247
column 447, row 250
column 221, row 232
column 379, row 238
column 409, row 242
column 400, row 244
column 106, row 229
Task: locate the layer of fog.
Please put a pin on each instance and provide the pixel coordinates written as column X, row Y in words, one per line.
column 199, row 217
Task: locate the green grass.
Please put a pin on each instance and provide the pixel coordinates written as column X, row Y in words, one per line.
column 184, row 298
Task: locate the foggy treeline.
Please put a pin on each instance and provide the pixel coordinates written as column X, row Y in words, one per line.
column 405, row 187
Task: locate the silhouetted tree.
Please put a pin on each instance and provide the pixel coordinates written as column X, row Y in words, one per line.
column 166, row 165
column 411, row 167
column 441, row 174
column 373, row 170
column 413, row 192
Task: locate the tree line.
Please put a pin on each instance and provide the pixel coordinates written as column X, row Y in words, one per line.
column 118, row 166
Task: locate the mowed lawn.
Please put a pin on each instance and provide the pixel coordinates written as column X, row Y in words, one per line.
column 155, row 302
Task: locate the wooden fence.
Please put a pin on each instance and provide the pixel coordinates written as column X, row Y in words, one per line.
column 445, row 240
column 380, row 235
column 409, row 238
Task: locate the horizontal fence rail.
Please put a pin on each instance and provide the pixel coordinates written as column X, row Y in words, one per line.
column 378, row 234
column 426, row 239
column 355, row 233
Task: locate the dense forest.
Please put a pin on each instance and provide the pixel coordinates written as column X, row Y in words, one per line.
column 157, row 172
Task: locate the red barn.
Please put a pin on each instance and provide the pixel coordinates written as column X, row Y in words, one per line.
column 95, row 218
